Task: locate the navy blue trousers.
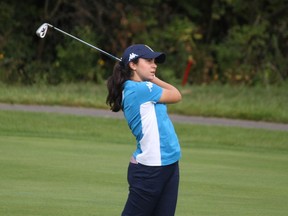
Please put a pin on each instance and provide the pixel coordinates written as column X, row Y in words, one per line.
column 153, row 191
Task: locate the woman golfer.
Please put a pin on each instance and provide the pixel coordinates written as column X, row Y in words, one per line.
column 153, row 172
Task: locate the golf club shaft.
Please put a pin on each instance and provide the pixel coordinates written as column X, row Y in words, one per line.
column 100, row 50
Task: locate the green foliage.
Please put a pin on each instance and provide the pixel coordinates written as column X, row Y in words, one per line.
column 249, row 52
column 16, row 49
column 76, row 62
column 248, row 55
column 177, row 40
column 230, row 41
column 241, row 54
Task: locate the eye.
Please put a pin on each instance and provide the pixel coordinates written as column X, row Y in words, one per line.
column 150, row 60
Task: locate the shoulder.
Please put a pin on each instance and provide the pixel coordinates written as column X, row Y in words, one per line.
column 145, row 85
column 145, row 89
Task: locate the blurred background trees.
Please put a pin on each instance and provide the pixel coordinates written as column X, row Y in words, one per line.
column 230, row 41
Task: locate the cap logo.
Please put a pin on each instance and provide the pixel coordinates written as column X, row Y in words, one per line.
column 132, row 56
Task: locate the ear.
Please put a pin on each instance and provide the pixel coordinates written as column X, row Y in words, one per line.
column 132, row 65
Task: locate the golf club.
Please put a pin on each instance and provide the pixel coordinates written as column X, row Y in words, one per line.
column 42, row 30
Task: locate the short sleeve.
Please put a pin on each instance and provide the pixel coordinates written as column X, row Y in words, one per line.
column 148, row 91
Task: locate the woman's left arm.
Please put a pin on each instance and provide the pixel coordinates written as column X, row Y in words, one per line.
column 170, row 93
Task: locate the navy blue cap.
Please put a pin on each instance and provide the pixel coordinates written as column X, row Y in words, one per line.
column 141, row 51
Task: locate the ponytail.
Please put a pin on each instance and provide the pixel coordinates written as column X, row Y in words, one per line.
column 115, row 86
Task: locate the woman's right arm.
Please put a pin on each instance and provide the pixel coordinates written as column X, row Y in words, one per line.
column 170, row 94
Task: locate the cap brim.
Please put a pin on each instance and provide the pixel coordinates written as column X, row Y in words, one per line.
column 161, row 58
column 158, row 56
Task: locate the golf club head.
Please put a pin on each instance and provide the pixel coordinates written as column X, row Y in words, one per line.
column 42, row 30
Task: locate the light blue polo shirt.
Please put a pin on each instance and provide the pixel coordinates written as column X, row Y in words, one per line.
column 157, row 142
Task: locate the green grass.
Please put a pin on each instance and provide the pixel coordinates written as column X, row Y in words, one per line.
column 240, row 102
column 55, row 164
column 86, row 95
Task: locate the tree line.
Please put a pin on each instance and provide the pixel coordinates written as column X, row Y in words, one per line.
column 226, row 41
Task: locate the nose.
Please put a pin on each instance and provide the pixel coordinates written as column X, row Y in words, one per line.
column 154, row 63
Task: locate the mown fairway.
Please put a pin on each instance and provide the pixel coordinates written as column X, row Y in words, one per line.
column 76, row 166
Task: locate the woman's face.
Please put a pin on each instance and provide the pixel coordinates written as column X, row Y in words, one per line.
column 144, row 70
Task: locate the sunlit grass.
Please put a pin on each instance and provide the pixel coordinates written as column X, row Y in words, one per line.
column 54, row 164
column 240, row 102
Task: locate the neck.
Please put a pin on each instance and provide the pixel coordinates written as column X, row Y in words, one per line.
column 136, row 78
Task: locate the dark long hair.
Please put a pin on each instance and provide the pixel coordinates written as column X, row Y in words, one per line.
column 115, row 85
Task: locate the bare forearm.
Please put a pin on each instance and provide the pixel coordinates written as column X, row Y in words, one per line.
column 170, row 93
column 162, row 83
